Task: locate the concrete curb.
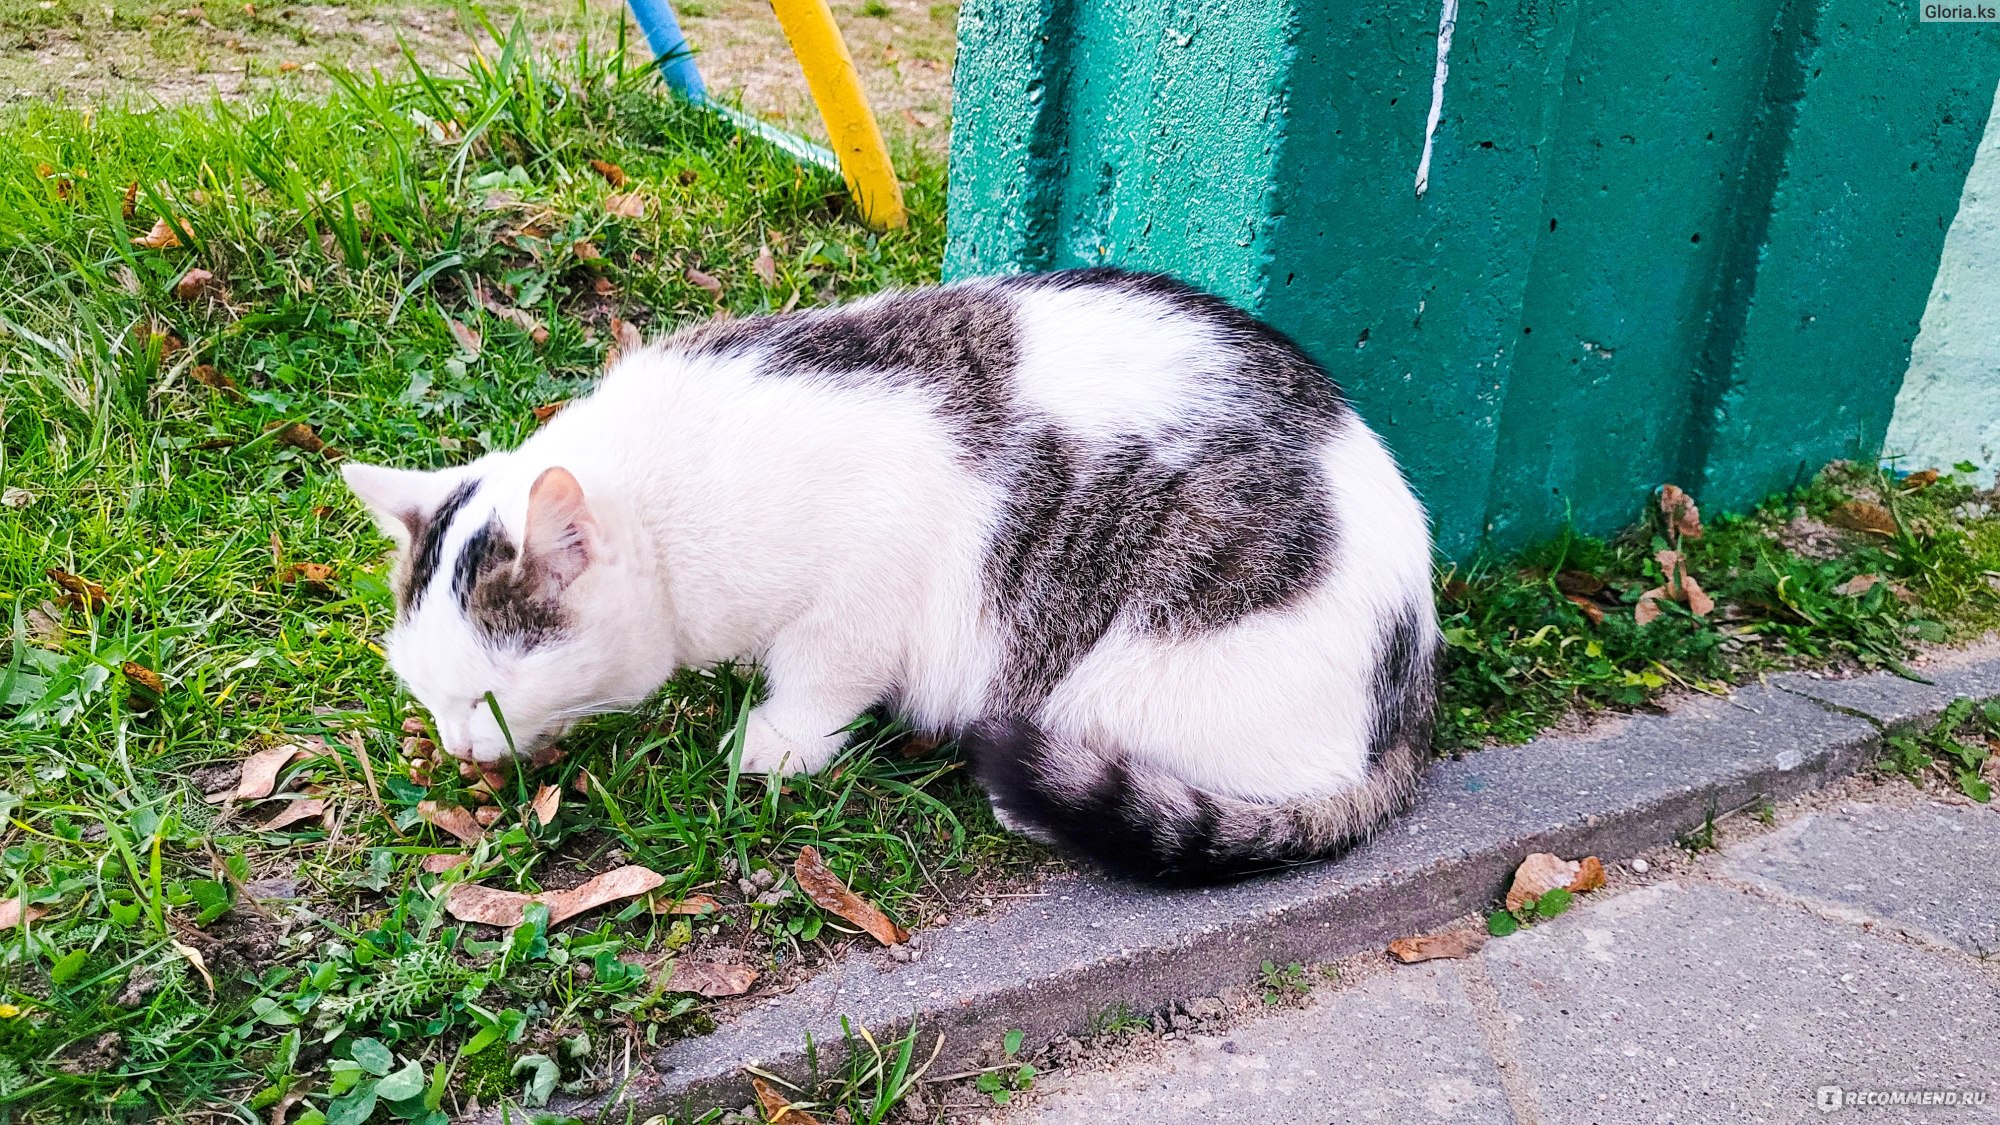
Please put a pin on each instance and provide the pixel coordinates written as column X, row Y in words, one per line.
column 1046, row 965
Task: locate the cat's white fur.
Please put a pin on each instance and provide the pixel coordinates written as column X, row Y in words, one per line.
column 833, row 532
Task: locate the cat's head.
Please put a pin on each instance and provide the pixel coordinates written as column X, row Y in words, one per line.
column 508, row 598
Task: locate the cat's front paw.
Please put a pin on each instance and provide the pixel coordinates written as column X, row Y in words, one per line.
column 768, row 750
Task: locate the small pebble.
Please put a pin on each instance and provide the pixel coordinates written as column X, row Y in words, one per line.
column 748, row 888
column 1641, row 866
column 764, row 877
column 900, row 954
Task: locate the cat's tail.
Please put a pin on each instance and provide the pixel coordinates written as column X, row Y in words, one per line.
column 1141, row 821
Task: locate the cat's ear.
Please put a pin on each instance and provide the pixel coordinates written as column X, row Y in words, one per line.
column 562, row 535
column 399, row 499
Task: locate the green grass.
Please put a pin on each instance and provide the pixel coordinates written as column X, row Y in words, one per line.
column 1522, row 654
column 345, row 236
column 152, row 444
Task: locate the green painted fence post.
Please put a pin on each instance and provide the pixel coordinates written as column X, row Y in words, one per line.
column 1629, row 211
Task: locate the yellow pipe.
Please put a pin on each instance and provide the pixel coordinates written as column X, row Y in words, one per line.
column 836, row 90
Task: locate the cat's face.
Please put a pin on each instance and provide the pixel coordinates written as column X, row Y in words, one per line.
column 506, row 629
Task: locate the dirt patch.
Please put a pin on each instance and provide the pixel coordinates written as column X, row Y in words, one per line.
column 170, row 52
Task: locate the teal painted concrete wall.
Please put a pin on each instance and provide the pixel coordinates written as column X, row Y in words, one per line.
column 1685, row 241
column 1948, row 411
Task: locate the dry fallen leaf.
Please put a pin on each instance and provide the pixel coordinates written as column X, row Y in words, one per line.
column 830, row 893
column 16, row 497
column 1648, row 609
column 1922, row 478
column 319, row 576
column 439, row 863
column 200, row 963
column 711, row 979
column 1590, row 609
column 630, row 205
column 261, row 770
column 1678, row 509
column 612, row 173
column 14, row 911
column 144, row 677
column 45, row 625
column 287, row 67
column 207, row 375
column 548, row 799
column 161, row 237
column 692, row 904
column 777, row 1107
column 548, row 410
column 1858, row 585
column 1543, row 871
column 766, row 266
column 305, row 808
column 470, row 902
column 197, row 283
column 625, row 339
column 131, row 204
column 1861, row 515
column 1589, row 875
column 1455, row 945
column 467, row 337
column 77, row 590
column 452, row 819
column 703, row 280
column 302, row 437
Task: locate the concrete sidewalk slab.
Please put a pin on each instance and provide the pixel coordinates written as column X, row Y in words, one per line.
column 1895, row 701
column 1695, row 1003
column 1934, row 870
column 1402, row 1048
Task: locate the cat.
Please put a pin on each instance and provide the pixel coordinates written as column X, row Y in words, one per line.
column 1126, row 542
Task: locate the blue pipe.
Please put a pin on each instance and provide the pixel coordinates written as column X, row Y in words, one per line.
column 670, row 47
column 676, row 58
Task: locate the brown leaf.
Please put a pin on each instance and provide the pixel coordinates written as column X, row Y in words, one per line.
column 1589, row 875
column 161, row 237
column 472, row 903
column 14, row 911
column 1858, row 585
column 131, row 204
column 197, row 283
column 45, row 625
column 612, row 173
column 692, row 904
column 826, row 889
column 630, row 205
column 487, row 815
column 1541, row 871
column 711, row 978
column 777, row 1107
column 452, row 819
column 299, row 436
column 547, row 411
column 703, row 280
column 625, row 339
column 467, row 337
column 1648, row 610
column 207, row 375
column 688, row 176
column 261, row 770
column 199, row 962
column 1591, row 610
column 144, row 677
column 1455, row 945
column 319, row 576
column 1698, row 602
column 1922, row 478
column 548, row 799
column 766, row 266
column 438, row 863
column 1680, row 513
column 1861, row 515
column 78, row 591
column 304, row 808
column 1578, row 582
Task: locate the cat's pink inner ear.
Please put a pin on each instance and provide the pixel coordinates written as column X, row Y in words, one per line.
column 561, row 534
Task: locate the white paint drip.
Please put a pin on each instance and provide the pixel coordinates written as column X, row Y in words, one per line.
column 1447, row 22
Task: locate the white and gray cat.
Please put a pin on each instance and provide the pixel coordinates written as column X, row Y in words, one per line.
column 1127, row 543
